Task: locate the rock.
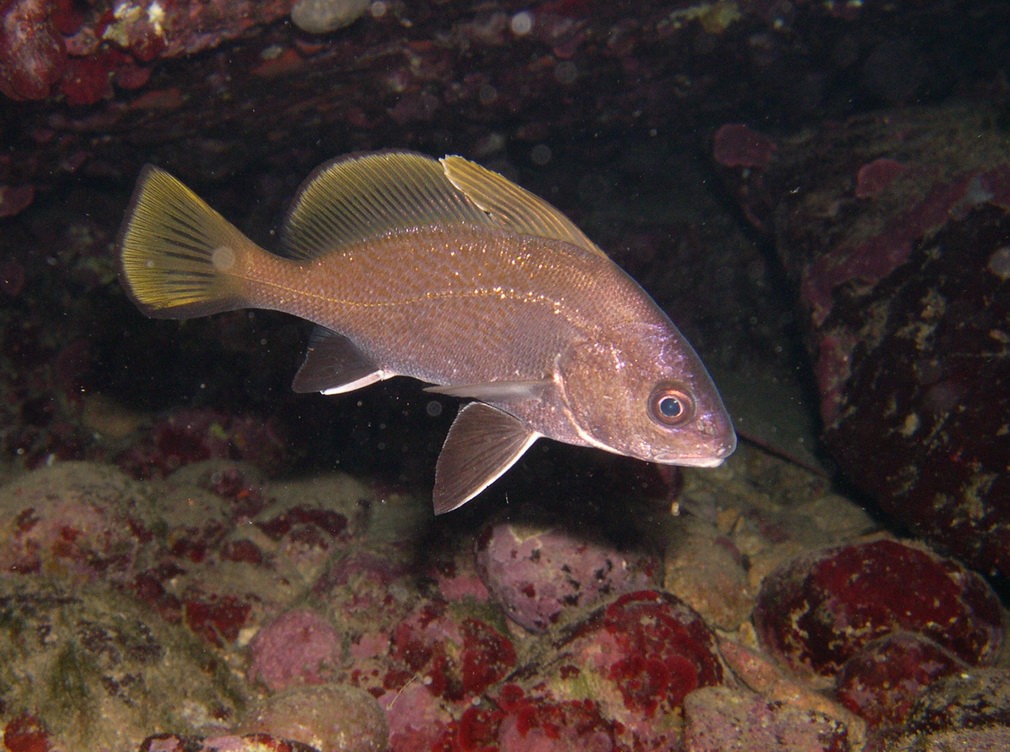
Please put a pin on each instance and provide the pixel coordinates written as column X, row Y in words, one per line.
column 896, row 240
column 95, row 670
column 328, row 717
column 815, row 612
column 705, row 569
column 322, row 16
column 720, row 719
column 537, row 570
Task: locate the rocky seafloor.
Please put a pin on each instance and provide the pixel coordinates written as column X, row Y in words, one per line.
column 217, row 610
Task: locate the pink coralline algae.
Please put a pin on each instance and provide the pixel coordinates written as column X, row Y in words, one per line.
column 298, row 647
column 634, row 660
column 458, row 658
column 817, row 611
column 536, row 572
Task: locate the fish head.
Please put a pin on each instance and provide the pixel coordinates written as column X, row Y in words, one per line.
column 643, row 392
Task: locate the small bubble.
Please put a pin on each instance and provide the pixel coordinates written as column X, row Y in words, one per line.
column 433, row 408
column 540, row 154
column 378, row 9
column 999, row 262
column 522, row 23
column 566, row 72
column 487, row 94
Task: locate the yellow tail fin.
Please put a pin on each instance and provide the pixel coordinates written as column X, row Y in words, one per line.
column 177, row 254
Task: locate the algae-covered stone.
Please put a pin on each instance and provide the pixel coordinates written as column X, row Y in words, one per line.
column 99, row 671
column 77, row 519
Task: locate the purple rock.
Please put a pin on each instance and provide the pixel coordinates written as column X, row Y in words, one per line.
column 300, row 647
column 537, row 571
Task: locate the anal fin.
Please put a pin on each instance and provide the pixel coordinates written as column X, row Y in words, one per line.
column 482, row 444
column 334, row 365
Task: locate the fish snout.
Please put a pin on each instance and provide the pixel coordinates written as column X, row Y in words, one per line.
column 705, row 455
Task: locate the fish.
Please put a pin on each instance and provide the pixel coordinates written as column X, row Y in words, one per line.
column 451, row 274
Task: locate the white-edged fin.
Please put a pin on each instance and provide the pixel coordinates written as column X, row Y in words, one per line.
column 334, row 365
column 482, row 443
column 495, row 391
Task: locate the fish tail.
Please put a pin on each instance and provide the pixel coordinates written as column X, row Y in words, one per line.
column 178, row 257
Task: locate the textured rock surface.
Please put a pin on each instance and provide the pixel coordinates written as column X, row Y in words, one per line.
column 96, row 670
column 816, row 611
column 897, row 241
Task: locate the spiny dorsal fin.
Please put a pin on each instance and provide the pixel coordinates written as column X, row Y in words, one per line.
column 513, row 207
column 362, row 197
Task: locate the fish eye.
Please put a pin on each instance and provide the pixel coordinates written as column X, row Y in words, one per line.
column 670, row 406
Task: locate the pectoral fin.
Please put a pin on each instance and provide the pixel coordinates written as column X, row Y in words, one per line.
column 482, row 444
column 495, row 391
column 334, row 365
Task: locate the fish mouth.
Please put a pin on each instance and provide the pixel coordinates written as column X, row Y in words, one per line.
column 675, row 459
column 711, row 459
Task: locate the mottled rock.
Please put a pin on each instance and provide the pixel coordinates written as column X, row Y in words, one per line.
column 895, row 239
column 538, row 570
column 299, row 647
column 965, row 711
column 720, row 719
column 99, row 671
column 816, row 611
column 883, row 679
column 636, row 659
column 327, row 717
column 83, row 520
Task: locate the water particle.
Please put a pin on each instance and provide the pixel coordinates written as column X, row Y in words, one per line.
column 522, row 23
column 999, row 262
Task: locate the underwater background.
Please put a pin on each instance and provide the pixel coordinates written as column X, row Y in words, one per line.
column 193, row 557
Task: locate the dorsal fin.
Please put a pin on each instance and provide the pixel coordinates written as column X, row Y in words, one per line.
column 362, row 197
column 514, row 207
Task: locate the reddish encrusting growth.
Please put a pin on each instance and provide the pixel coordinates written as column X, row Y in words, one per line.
column 817, row 611
column 26, row 733
column 665, row 653
column 32, row 53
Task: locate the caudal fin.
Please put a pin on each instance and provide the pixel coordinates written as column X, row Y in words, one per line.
column 177, row 254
